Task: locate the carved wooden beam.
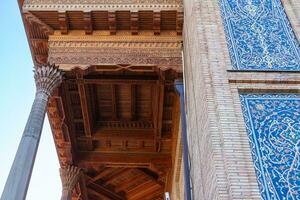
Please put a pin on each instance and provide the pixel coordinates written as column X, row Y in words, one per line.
column 31, row 18
column 134, row 22
column 179, row 22
column 157, row 107
column 63, row 22
column 112, row 23
column 88, row 24
column 116, row 81
column 85, row 110
column 122, row 159
column 156, row 22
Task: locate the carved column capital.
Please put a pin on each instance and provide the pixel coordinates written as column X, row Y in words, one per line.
column 47, row 78
column 69, row 177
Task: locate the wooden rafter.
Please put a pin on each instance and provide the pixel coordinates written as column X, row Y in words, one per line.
column 179, row 23
column 88, row 24
column 112, row 22
column 134, row 22
column 85, row 111
column 63, row 22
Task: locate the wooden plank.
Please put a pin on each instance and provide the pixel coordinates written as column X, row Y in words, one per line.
column 104, row 191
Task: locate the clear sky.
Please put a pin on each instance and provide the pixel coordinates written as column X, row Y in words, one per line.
column 16, row 96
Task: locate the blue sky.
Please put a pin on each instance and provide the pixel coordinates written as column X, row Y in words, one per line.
column 17, row 93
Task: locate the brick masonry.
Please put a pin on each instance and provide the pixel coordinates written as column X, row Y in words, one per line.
column 221, row 162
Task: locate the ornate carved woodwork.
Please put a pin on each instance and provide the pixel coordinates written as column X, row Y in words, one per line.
column 134, row 53
column 90, row 5
column 115, row 114
column 130, row 127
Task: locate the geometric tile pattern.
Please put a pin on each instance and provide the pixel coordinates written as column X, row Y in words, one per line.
column 259, row 35
column 273, row 126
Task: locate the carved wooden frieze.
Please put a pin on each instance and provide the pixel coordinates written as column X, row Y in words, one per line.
column 82, row 51
column 90, row 5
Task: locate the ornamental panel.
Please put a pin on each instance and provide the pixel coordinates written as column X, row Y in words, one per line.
column 97, row 5
column 259, row 35
column 273, row 126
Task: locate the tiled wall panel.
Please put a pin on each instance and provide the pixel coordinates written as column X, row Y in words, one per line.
column 273, row 126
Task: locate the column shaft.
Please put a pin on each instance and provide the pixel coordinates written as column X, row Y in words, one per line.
column 47, row 78
column 20, row 173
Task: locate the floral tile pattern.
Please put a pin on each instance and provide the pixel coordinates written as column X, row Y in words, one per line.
column 259, row 35
column 273, row 126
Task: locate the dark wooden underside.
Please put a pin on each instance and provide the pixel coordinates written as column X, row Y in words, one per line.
column 120, row 128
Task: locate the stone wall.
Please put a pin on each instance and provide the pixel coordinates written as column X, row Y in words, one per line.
column 221, row 162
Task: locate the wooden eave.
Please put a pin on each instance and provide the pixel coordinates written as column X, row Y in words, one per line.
column 118, row 125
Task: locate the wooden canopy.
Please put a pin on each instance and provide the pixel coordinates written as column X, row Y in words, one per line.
column 119, row 123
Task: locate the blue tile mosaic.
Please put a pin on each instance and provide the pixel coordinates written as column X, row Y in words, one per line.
column 273, row 126
column 259, row 35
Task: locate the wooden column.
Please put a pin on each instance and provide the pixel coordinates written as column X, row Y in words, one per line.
column 47, row 78
column 69, row 177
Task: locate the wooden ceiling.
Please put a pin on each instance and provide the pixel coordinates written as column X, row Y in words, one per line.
column 119, row 126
